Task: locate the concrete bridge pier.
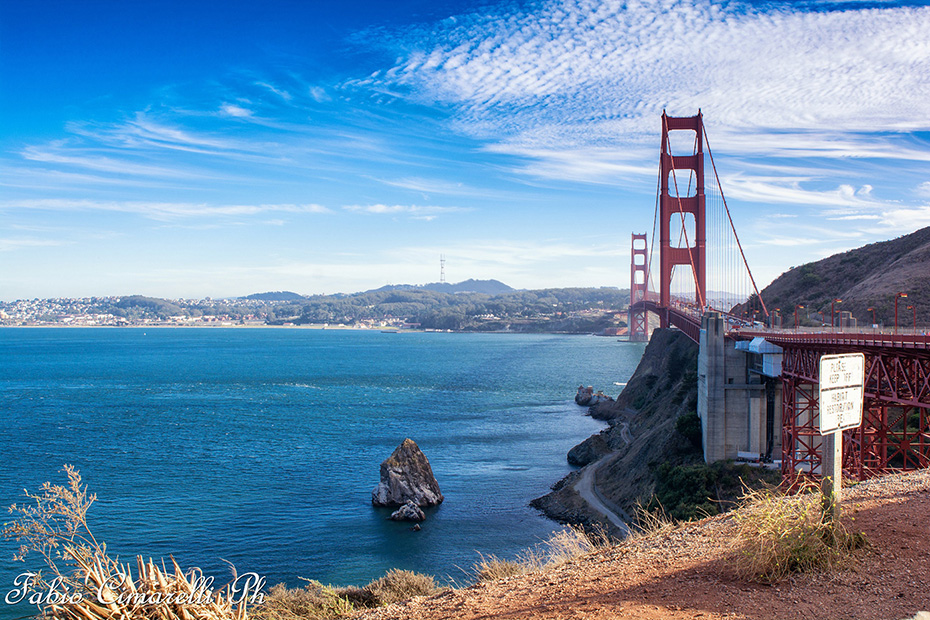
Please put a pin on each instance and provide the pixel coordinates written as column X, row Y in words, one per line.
column 739, row 395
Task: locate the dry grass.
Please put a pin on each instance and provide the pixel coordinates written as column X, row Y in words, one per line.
column 90, row 585
column 314, row 601
column 84, row 582
column 318, row 602
column 563, row 546
column 779, row 535
column 492, row 568
column 399, row 585
column 651, row 521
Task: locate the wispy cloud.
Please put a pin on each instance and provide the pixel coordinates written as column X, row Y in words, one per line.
column 582, row 73
column 236, row 111
column 160, row 210
column 9, row 245
column 424, row 212
column 782, row 190
column 435, row 186
column 55, row 154
column 283, row 94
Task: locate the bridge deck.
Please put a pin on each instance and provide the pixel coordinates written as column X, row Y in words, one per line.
column 908, row 339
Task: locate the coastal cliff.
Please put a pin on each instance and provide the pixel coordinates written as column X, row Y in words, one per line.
column 622, row 461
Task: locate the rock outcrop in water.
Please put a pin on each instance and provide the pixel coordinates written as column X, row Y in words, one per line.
column 587, row 397
column 408, row 512
column 406, row 476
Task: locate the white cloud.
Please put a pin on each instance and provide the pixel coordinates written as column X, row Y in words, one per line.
column 54, row 154
column 9, row 245
column 280, row 92
column 435, row 186
column 903, row 220
column 425, row 212
column 790, row 190
column 231, row 109
column 160, row 210
column 589, row 73
column 318, row 94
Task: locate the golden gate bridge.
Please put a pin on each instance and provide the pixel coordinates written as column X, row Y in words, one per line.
column 761, row 376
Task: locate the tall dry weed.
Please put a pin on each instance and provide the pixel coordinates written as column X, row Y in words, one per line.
column 784, row 534
column 84, row 582
column 563, row 546
column 400, row 585
column 651, row 520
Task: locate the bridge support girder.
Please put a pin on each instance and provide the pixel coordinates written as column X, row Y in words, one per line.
column 895, row 431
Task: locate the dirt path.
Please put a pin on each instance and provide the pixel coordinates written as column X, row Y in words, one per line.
column 587, row 489
column 686, row 572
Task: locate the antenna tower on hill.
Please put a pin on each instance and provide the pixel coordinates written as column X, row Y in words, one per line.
column 442, row 268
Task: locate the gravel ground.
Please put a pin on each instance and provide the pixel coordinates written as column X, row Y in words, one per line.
column 687, row 572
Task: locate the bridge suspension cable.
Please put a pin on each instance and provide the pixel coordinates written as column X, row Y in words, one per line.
column 726, row 209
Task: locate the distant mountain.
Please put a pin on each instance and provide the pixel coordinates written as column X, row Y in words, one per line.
column 275, row 296
column 487, row 287
column 867, row 277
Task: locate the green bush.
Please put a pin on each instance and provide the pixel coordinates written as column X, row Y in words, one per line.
column 685, row 491
column 689, row 427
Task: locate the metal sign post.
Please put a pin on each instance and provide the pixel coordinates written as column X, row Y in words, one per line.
column 842, row 379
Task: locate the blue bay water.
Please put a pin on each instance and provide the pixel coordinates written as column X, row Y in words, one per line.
column 261, row 447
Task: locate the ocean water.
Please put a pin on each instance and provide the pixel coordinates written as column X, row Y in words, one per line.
column 261, row 447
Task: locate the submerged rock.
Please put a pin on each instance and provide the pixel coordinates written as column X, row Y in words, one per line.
column 408, row 512
column 406, row 476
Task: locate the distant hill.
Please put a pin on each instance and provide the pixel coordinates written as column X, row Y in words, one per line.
column 867, row 277
column 486, row 287
column 275, row 296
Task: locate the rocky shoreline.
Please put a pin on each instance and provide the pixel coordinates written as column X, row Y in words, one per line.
column 620, row 460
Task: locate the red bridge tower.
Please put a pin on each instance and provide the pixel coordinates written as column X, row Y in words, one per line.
column 692, row 253
column 639, row 289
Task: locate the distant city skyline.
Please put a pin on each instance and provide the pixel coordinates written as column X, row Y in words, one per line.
column 195, row 149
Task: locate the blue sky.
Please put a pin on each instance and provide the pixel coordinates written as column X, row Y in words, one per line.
column 188, row 149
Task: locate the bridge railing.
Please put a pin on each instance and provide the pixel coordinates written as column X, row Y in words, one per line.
column 844, row 336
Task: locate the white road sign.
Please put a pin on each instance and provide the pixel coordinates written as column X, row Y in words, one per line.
column 842, row 378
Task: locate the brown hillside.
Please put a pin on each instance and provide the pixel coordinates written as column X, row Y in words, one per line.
column 866, row 277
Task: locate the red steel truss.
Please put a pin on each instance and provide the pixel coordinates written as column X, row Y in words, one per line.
column 895, row 431
column 677, row 206
column 639, row 289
